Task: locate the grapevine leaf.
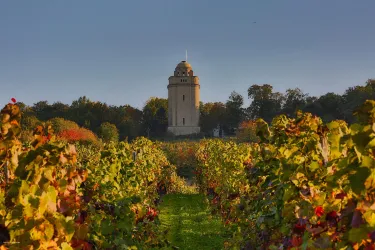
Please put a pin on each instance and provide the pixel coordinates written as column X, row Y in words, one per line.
column 82, row 231
column 106, row 227
column 358, row 234
column 357, row 180
column 369, row 216
column 49, row 230
column 314, row 166
column 66, row 246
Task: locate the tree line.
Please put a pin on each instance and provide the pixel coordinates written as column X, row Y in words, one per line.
column 129, row 122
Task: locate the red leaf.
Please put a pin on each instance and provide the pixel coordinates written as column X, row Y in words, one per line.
column 13, row 100
column 319, row 211
column 340, row 195
column 296, row 241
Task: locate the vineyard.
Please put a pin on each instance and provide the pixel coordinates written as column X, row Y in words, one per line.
column 303, row 185
column 306, row 185
column 55, row 195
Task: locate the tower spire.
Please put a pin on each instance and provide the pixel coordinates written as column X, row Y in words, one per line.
column 186, row 55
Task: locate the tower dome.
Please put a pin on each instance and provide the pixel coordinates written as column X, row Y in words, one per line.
column 184, row 64
column 183, row 69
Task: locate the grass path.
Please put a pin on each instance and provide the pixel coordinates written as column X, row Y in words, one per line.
column 190, row 224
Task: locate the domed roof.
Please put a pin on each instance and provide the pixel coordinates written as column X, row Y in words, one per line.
column 184, row 64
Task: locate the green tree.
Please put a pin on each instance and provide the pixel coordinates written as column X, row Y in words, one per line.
column 60, row 124
column 328, row 107
column 265, row 103
column 355, row 97
column 128, row 121
column 29, row 122
column 59, row 109
column 212, row 114
column 155, row 116
column 108, row 132
column 42, row 110
column 295, row 100
column 234, row 111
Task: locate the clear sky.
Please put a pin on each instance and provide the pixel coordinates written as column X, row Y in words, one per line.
column 123, row 51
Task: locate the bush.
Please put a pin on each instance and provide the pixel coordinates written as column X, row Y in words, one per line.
column 81, row 135
column 108, row 132
column 247, row 132
column 60, row 124
column 28, row 123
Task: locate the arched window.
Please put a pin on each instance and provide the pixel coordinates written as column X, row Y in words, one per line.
column 183, row 121
column 183, row 97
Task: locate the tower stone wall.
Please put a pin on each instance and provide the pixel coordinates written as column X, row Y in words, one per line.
column 183, row 101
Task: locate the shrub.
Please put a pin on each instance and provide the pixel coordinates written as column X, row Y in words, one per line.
column 247, row 132
column 60, row 124
column 108, row 132
column 80, row 135
column 28, row 123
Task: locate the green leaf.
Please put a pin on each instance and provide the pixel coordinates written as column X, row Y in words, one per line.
column 289, row 193
column 320, row 198
column 66, row 246
column 49, row 230
column 357, row 180
column 367, row 161
column 314, row 166
column 107, row 227
column 125, row 224
column 358, row 234
column 48, row 174
column 369, row 216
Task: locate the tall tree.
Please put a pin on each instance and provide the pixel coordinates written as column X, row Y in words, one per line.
column 356, row 96
column 265, row 103
column 59, row 109
column 295, row 100
column 108, row 132
column 328, row 107
column 234, row 111
column 155, row 119
column 212, row 114
column 128, row 121
column 42, row 110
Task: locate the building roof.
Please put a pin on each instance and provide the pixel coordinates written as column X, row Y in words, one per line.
column 184, row 64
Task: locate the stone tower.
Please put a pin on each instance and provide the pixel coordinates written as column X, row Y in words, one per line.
column 183, row 101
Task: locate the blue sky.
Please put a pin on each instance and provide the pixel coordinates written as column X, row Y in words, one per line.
column 123, row 51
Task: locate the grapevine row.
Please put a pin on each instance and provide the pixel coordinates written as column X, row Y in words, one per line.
column 54, row 195
column 305, row 185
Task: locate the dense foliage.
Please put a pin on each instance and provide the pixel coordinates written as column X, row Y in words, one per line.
column 306, row 185
column 53, row 197
column 247, row 132
column 108, row 132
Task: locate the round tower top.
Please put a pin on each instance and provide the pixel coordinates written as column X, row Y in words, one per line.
column 183, row 69
column 183, row 65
